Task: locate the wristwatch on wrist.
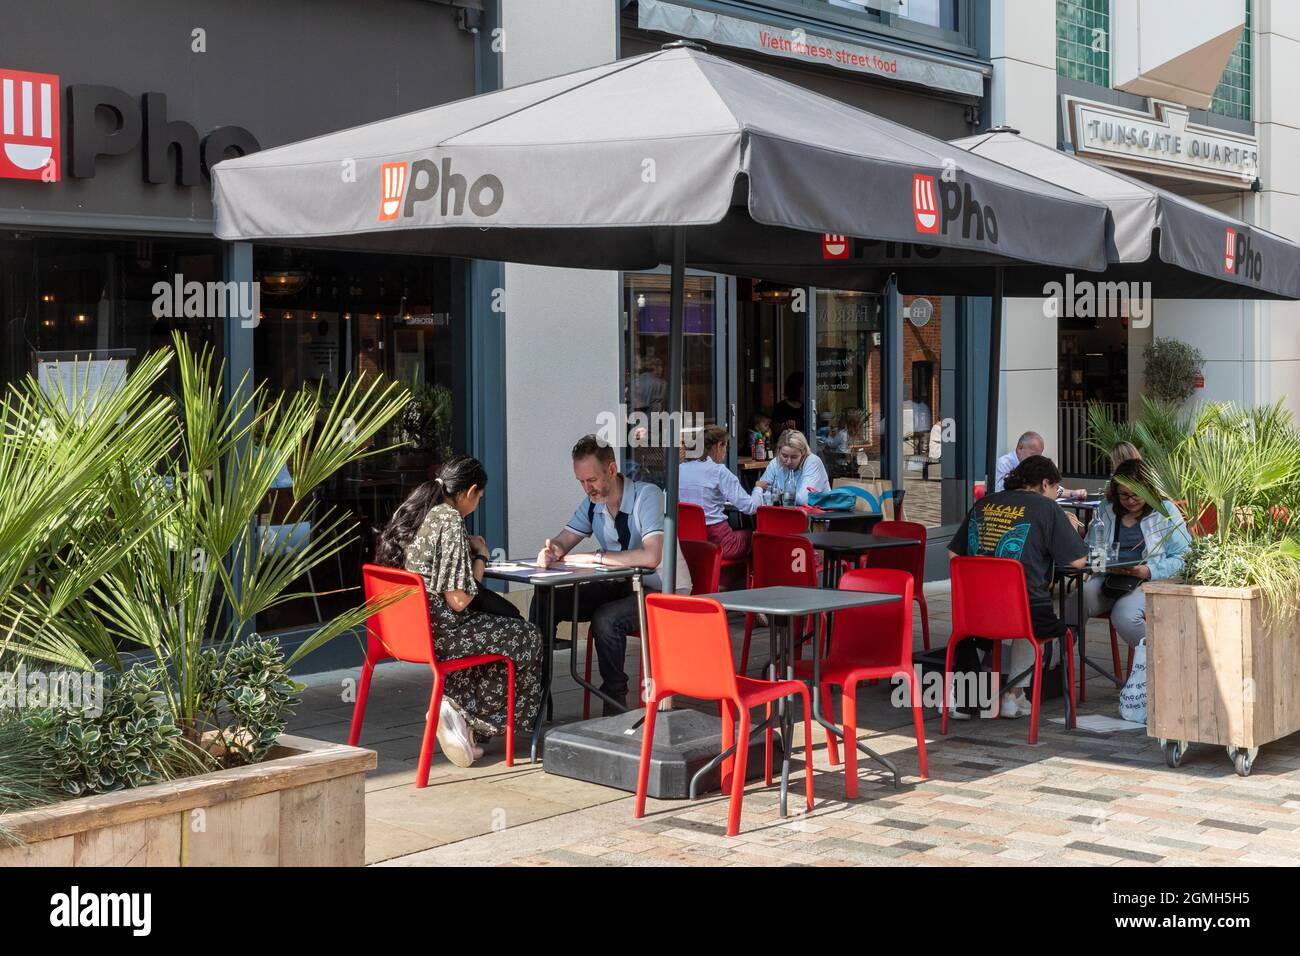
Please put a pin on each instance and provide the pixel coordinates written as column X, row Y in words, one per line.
column 600, row 558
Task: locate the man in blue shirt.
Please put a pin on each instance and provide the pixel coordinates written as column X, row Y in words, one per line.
column 627, row 519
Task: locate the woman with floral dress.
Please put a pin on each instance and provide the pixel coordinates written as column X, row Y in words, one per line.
column 427, row 535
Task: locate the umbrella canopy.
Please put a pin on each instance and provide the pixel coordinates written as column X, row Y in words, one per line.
column 594, row 168
column 1185, row 250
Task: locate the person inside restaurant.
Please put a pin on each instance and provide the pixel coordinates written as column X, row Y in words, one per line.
column 794, row 472
column 626, row 518
column 1030, row 443
column 427, row 535
column 789, row 412
column 707, row 482
column 1159, row 541
column 1022, row 522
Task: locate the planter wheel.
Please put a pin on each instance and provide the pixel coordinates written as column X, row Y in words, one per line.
column 1174, row 750
column 1243, row 759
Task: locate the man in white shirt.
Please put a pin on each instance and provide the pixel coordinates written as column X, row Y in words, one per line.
column 1030, row 443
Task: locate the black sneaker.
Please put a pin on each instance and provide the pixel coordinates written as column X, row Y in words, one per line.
column 609, row 709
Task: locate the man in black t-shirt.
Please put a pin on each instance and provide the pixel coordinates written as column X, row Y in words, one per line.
column 1024, row 522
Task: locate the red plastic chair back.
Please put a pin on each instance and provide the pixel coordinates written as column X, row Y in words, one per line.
column 783, row 560
column 690, row 522
column 704, row 561
column 979, row 490
column 690, row 647
column 989, row 599
column 911, row 560
column 879, row 635
column 771, row 519
column 402, row 628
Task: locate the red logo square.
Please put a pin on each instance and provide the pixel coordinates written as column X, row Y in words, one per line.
column 1230, row 250
column 29, row 126
column 834, row 246
column 925, row 210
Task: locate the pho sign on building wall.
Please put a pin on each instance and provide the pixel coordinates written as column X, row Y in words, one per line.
column 1163, row 141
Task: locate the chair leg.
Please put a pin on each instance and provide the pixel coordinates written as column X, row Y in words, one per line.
column 849, row 714
column 925, row 619
column 1038, row 693
column 832, row 750
column 510, row 712
column 359, row 709
column 586, row 673
column 738, row 774
column 728, row 741
column 647, row 742
column 767, row 747
column 744, row 648
column 1114, row 648
column 918, row 718
column 430, row 735
column 947, row 685
column 1068, row 646
column 807, row 744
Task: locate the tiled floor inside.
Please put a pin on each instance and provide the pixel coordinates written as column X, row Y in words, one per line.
column 1075, row 798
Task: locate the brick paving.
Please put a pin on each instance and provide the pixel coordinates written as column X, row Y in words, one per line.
column 1075, row 798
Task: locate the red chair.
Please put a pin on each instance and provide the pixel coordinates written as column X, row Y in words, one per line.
column 869, row 643
column 770, row 519
column 690, row 523
column 402, row 631
column 690, row 654
column 911, row 560
column 1114, row 656
column 989, row 600
column 779, row 560
column 704, row 561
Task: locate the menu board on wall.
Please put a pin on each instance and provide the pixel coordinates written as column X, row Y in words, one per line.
column 82, row 377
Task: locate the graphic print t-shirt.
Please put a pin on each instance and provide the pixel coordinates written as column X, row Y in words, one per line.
column 1026, row 526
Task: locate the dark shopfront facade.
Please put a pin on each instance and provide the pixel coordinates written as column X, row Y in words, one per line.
column 894, row 387
column 132, row 101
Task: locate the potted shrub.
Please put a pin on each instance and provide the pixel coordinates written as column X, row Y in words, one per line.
column 1171, row 369
column 1223, row 659
column 185, row 761
column 425, row 426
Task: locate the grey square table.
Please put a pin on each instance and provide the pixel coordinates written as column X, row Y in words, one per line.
column 545, row 582
column 836, row 545
column 846, row 520
column 782, row 605
column 1065, row 574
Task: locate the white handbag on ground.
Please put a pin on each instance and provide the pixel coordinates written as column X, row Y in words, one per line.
column 1133, row 696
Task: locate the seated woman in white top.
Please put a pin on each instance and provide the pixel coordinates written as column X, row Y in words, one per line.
column 795, row 469
column 706, row 481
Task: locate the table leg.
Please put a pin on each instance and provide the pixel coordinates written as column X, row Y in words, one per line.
column 547, row 595
column 787, row 717
column 573, row 660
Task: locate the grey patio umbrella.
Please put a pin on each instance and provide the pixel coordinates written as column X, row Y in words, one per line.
column 676, row 156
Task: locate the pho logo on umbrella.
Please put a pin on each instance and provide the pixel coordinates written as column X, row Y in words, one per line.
column 925, row 209
column 393, row 178
column 29, row 125
column 834, row 246
column 1230, row 251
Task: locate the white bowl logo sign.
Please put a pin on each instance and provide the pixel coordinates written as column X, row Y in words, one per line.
column 834, row 246
column 924, row 207
column 1230, row 251
column 393, row 187
column 29, row 125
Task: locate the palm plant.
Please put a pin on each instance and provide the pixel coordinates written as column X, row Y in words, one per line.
column 189, row 586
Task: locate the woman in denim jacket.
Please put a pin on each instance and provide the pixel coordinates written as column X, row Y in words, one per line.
column 1159, row 541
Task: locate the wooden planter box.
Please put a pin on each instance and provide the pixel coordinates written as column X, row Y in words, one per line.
column 1217, row 671
column 302, row 806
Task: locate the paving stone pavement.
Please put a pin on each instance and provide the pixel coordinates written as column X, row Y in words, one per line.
column 1075, row 798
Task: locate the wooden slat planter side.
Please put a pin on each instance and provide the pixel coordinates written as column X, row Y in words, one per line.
column 1218, row 671
column 303, row 807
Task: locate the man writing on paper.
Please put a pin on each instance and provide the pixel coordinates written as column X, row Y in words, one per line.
column 627, row 519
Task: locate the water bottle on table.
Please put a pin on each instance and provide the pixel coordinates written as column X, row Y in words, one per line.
column 1097, row 550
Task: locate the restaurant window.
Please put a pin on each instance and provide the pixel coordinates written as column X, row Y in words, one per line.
column 94, row 299
column 771, row 348
column 1232, row 95
column 645, row 384
column 927, row 436
column 946, row 22
column 329, row 315
column 849, row 366
column 1083, row 40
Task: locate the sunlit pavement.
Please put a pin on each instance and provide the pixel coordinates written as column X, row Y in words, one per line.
column 1075, row 798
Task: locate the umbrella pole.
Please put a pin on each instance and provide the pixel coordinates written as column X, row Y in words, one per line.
column 995, row 381
column 677, row 302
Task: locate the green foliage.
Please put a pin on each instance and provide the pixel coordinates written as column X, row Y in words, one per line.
column 1171, row 369
column 426, row 421
column 131, row 742
column 257, row 696
column 1241, row 466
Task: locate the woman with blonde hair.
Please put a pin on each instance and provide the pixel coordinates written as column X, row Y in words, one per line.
column 1123, row 451
column 795, row 471
column 707, row 482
